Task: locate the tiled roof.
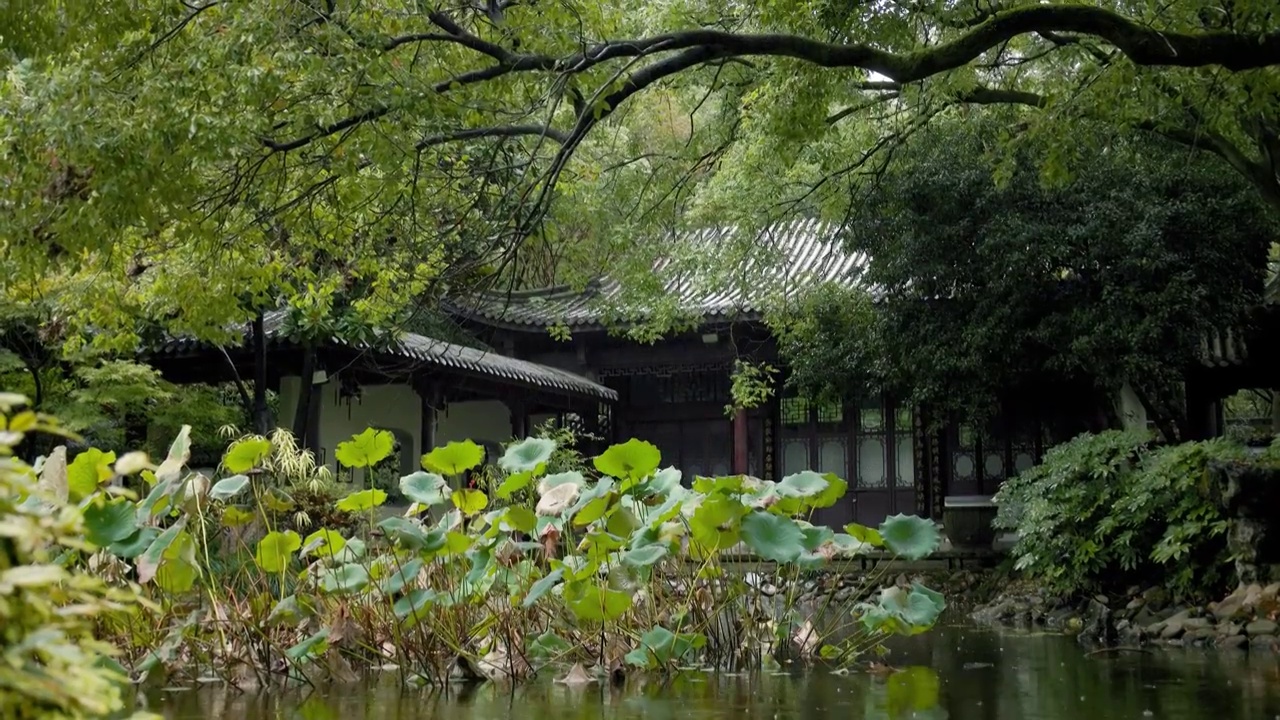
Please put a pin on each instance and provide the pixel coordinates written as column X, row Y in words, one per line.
column 804, row 253
column 438, row 353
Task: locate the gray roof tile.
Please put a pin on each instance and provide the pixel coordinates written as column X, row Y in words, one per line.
column 449, row 356
column 804, row 253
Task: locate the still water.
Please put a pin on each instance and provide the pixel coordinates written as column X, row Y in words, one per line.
column 957, row 673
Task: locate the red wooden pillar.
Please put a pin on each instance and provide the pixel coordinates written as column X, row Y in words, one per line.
column 740, row 442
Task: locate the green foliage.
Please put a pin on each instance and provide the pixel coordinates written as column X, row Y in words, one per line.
column 751, row 385
column 366, row 449
column 454, row 458
column 985, row 288
column 1110, row 510
column 51, row 665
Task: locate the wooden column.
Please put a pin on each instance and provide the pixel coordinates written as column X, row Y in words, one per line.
column 519, row 419
column 430, row 397
column 740, row 441
column 261, row 413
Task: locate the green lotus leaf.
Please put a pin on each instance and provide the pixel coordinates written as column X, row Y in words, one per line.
column 351, row 552
column 622, row 522
column 849, row 545
column 527, row 455
column 864, row 534
column 324, row 543
column 109, row 521
column 716, row 522
column 362, row 500
column 815, row 536
column 454, row 458
column 149, row 561
column 424, row 487
column 236, row 517
column 176, row 575
column 514, row 484
column 344, row 580
column 633, row 459
column 405, row 532
column 773, row 537
column 288, row 610
column 229, row 487
column 413, row 603
column 592, row 511
column 456, row 543
column 836, row 489
column 366, row 449
column 644, row 556
column 520, row 519
column 662, row 482
column 90, row 469
column 909, row 536
column 245, row 455
column 134, row 545
column 543, row 586
column 469, row 501
column 401, row 576
column 548, row 645
column 804, row 484
column 275, row 550
column 314, row 646
column 603, row 605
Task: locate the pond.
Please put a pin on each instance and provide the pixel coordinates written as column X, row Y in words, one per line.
column 973, row 674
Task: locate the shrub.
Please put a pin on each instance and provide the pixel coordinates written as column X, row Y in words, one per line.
column 1109, row 510
column 51, row 666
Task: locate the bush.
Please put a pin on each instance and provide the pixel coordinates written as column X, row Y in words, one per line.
column 1111, row 510
column 51, row 666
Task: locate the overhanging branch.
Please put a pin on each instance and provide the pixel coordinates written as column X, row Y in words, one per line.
column 541, row 131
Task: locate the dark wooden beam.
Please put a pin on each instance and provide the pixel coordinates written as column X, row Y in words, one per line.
column 430, row 395
column 261, row 413
column 740, row 442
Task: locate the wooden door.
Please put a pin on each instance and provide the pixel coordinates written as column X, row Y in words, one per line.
column 869, row 443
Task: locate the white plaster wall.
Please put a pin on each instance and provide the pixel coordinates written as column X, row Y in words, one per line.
column 475, row 420
column 388, row 407
column 394, row 407
column 290, row 387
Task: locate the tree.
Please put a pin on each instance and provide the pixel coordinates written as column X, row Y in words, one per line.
column 297, row 144
column 986, row 292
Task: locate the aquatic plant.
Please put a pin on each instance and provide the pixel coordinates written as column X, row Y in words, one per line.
column 618, row 566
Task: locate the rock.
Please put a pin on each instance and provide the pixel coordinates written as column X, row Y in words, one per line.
column 1197, row 623
column 1135, row 604
column 1199, row 636
column 1097, row 624
column 1252, row 596
column 1172, row 629
column 1271, row 592
column 1232, row 641
column 1155, row 597
column 768, row 590
column 1260, row 627
column 1228, row 629
column 1262, row 641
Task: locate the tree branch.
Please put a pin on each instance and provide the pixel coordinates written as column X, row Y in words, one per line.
column 541, row 131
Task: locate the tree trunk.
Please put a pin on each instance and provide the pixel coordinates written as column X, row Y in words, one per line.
column 302, row 417
column 1275, row 411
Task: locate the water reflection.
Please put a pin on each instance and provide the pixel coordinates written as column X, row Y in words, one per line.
column 958, row 674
